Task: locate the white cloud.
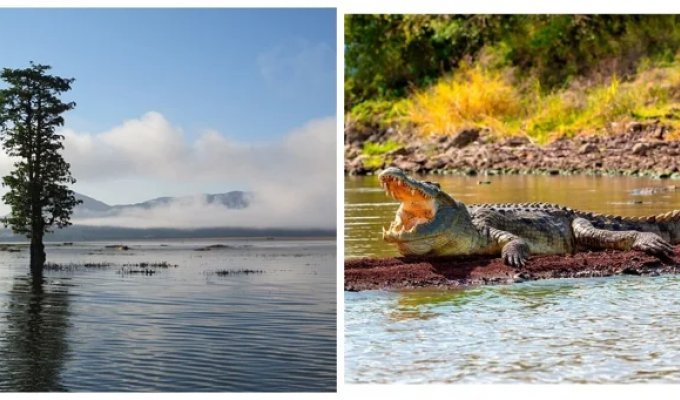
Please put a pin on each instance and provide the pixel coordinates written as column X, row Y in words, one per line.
column 293, row 179
column 143, row 145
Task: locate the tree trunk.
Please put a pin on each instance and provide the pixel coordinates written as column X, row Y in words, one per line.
column 37, row 255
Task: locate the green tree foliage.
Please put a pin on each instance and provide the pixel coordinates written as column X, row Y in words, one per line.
column 556, row 48
column 388, row 55
column 30, row 111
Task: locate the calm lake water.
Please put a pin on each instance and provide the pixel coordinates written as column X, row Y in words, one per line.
column 605, row 330
column 183, row 328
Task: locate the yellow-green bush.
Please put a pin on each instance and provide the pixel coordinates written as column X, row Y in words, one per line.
column 473, row 96
column 492, row 98
column 551, row 116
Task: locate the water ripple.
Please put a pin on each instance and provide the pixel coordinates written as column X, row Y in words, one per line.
column 606, row 330
column 181, row 329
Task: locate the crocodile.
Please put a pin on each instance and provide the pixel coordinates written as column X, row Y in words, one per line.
column 649, row 191
column 429, row 222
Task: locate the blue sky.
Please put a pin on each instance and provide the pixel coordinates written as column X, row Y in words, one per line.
column 248, row 73
column 177, row 102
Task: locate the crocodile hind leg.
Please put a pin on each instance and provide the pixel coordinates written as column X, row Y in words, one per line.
column 589, row 237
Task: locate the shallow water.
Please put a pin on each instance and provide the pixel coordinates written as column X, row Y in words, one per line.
column 604, row 330
column 180, row 329
column 609, row 330
column 368, row 208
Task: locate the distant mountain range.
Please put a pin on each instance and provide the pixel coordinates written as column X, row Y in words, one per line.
column 90, row 207
column 93, row 208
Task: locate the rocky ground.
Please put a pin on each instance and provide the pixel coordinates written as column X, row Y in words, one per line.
column 445, row 273
column 636, row 148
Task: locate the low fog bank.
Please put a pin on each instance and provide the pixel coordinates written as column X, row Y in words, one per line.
column 260, row 211
column 292, row 180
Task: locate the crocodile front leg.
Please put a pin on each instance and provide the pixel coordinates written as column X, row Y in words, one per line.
column 514, row 249
column 492, row 226
column 589, row 237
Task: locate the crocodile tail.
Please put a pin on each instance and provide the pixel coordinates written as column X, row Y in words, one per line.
column 666, row 224
column 671, row 216
column 670, row 222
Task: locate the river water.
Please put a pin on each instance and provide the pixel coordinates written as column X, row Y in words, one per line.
column 604, row 330
column 183, row 328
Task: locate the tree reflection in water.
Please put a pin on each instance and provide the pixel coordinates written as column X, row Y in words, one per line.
column 33, row 344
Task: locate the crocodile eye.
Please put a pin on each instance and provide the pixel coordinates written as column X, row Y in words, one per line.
column 434, row 184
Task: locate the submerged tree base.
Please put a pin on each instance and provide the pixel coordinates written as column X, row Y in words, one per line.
column 453, row 272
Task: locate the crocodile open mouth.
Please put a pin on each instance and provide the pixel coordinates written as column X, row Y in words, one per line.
column 417, row 206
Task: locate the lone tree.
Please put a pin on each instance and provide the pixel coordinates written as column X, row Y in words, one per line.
column 30, row 111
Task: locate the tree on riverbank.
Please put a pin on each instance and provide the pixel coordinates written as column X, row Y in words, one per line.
column 30, row 111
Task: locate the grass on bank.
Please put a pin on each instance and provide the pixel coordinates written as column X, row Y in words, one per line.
column 375, row 152
column 508, row 104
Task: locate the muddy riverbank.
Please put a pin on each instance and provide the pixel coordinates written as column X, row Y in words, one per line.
column 414, row 272
column 634, row 149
